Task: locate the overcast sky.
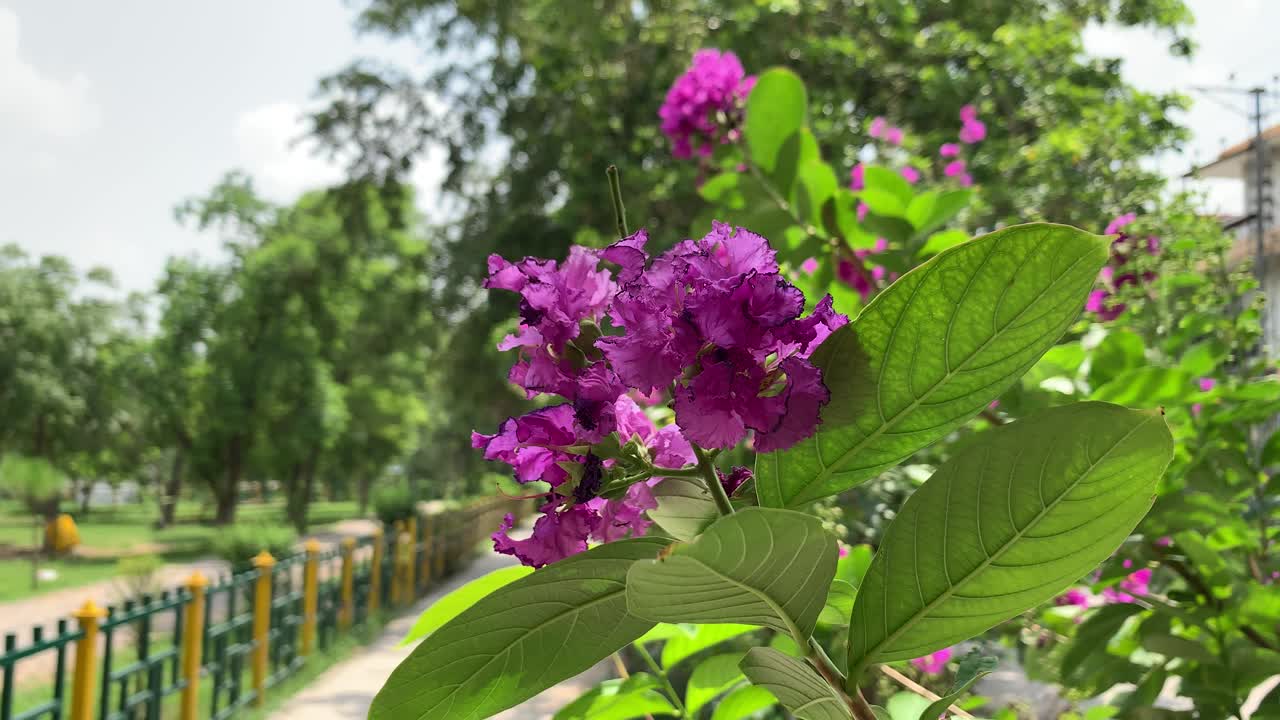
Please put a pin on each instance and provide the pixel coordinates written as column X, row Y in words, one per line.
column 113, row 112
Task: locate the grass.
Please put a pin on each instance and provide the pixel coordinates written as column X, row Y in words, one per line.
column 123, row 530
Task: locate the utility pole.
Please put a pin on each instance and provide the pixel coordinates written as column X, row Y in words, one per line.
column 1261, row 184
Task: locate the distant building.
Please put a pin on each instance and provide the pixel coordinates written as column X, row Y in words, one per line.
column 1239, row 162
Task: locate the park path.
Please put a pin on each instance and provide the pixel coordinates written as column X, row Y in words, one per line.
column 345, row 691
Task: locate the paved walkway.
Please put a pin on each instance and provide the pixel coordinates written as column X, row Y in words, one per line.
column 345, row 691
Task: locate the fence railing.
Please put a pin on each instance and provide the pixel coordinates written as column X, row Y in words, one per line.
column 210, row 648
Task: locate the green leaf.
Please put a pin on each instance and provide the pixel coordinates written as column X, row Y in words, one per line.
column 906, row 705
column 637, row 696
column 931, row 210
column 1146, row 387
column 449, row 606
column 743, row 703
column 853, row 566
column 1119, row 351
column 685, row 508
column 973, row 667
column 839, row 604
column 932, row 351
column 1172, row 646
column 815, row 184
column 709, row 679
column 797, row 686
column 1005, row 524
column 775, row 111
column 521, row 639
column 1092, row 637
column 684, row 645
column 758, row 566
column 883, row 180
column 940, row 241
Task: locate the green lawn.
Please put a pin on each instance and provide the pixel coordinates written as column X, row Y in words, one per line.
column 15, row 576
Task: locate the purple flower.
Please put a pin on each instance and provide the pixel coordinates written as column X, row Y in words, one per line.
column 911, row 174
column 735, row 479
column 968, row 113
column 894, row 136
column 965, row 180
column 1122, row 248
column 878, row 127
column 624, row 517
column 972, row 130
column 1206, row 384
column 856, row 180
column 1078, row 597
column 863, row 209
column 1164, row 542
column 1136, row 582
column 955, row 168
column 705, row 105
column 934, row 663
column 1117, row 223
column 559, row 533
column 809, row 266
column 949, row 150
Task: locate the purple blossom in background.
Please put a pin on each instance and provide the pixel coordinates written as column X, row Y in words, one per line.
column 1118, row 274
column 1077, row 597
column 1164, row 542
column 856, row 181
column 934, row 663
column 894, row 136
column 911, row 174
column 809, row 266
column 972, row 130
column 877, row 127
column 1136, row 582
column 855, row 272
column 955, row 168
column 949, row 150
column 1206, row 384
column 705, row 105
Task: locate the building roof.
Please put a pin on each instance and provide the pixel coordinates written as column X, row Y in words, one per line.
column 1230, row 162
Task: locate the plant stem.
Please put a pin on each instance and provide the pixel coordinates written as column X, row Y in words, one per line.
column 691, row 471
column 662, row 676
column 712, row 480
column 615, row 193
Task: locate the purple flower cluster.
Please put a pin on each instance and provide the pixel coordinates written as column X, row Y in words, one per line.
column 859, row 274
column 1116, row 275
column 1138, row 582
column 715, row 320
column 880, row 129
column 933, row 663
column 710, row 321
column 705, row 105
column 972, row 130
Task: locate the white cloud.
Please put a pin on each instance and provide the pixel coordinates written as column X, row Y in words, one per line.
column 35, row 101
column 267, row 143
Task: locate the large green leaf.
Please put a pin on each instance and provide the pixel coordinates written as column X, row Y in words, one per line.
column 634, row 697
column 758, row 566
column 683, row 645
column 521, row 639
column 743, row 703
column 449, row 606
column 1005, row 524
column 973, row 667
column 797, row 686
column 1146, row 387
column 711, row 677
column 685, row 508
column 775, row 112
column 932, row 351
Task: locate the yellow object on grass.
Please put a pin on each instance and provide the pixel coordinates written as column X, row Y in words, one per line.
column 62, row 534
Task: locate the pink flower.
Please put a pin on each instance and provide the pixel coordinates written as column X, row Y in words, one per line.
column 1077, row 597
column 809, row 266
column 911, row 174
column 973, row 132
column 863, row 209
column 877, row 128
column 966, row 180
column 705, row 105
column 894, row 136
column 843, row 550
column 1136, row 582
column 856, row 181
column 1196, row 409
column 934, row 663
column 949, row 150
column 1207, row 383
column 968, row 113
column 1164, row 542
column 955, row 168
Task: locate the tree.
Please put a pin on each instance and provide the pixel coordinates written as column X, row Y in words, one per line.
column 559, row 98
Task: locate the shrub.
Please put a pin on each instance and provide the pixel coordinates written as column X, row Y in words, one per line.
column 238, row 544
column 138, row 575
column 394, row 502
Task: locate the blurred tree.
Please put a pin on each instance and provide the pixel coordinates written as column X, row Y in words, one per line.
column 533, row 99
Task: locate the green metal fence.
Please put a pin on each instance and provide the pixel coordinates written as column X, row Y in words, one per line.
column 209, row 650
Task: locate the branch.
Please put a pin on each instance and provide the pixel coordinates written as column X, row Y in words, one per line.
column 712, row 480
column 919, row 689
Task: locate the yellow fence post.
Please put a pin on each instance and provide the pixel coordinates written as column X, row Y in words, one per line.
column 397, row 550
column 424, row 569
column 82, row 683
column 348, row 582
column 192, row 644
column 411, row 560
column 261, row 624
column 310, row 596
column 442, row 544
column 375, row 578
